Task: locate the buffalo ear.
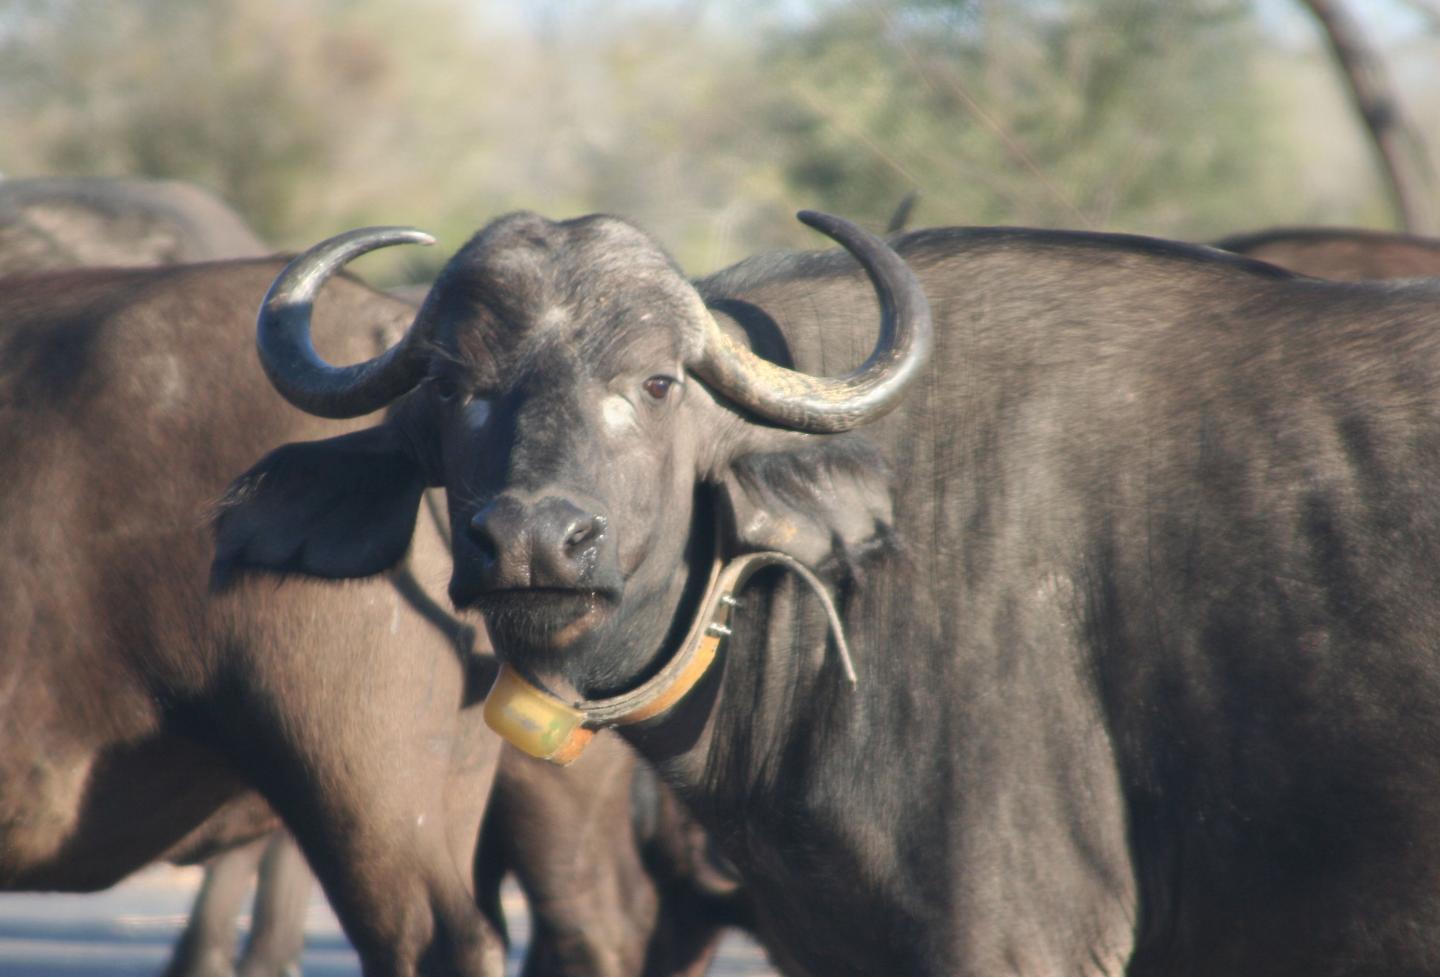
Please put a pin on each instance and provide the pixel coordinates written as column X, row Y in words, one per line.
column 339, row 508
column 825, row 501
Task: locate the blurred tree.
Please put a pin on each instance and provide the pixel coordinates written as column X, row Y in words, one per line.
column 1399, row 149
column 1428, row 8
column 263, row 101
column 1139, row 114
column 168, row 88
column 707, row 123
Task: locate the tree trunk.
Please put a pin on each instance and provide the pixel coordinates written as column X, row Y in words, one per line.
column 1398, row 146
column 1429, row 9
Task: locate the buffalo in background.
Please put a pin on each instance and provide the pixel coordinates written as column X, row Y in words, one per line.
column 618, row 877
column 136, row 704
column 65, row 223
column 1341, row 253
column 73, row 222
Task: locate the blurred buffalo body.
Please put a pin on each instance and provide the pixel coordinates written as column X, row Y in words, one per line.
column 1342, row 253
column 76, row 222
column 136, row 705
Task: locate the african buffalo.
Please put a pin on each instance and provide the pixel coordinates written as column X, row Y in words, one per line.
column 67, row 222
column 134, row 705
column 1091, row 631
column 1337, row 252
column 57, row 223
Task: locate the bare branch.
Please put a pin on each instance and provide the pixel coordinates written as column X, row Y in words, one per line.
column 901, row 217
column 1397, row 144
column 1429, row 9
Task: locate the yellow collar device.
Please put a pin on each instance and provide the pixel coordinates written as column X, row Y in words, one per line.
column 541, row 724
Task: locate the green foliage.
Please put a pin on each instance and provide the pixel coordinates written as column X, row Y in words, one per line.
column 168, row 88
column 708, row 124
column 1139, row 114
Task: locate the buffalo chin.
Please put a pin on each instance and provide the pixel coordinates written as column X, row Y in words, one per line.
column 542, row 619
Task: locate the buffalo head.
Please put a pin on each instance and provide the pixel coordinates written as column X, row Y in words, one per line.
column 587, row 415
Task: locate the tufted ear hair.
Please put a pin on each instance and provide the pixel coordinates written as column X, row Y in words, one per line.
column 825, row 501
column 338, row 508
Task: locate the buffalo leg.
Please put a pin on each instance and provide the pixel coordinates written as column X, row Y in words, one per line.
column 207, row 947
column 277, row 931
column 381, row 779
column 568, row 837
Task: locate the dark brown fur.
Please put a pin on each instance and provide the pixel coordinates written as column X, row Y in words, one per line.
column 134, row 703
column 70, row 222
column 1349, row 254
column 619, row 878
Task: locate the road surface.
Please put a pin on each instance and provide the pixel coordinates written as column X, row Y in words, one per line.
column 127, row 931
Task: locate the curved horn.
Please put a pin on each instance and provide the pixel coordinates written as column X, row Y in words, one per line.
column 282, row 334
column 828, row 405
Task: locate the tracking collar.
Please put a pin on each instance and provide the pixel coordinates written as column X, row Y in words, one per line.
column 539, row 723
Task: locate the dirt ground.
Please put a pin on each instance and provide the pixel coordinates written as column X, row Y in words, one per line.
column 127, row 931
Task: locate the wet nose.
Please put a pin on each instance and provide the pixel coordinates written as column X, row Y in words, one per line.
column 551, row 543
column 564, row 543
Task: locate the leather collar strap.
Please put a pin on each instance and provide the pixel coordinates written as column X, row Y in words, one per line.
column 541, row 724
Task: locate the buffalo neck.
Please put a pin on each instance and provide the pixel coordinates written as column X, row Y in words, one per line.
column 774, row 676
column 774, row 755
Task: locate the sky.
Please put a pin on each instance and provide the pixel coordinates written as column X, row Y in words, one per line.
column 1390, row 21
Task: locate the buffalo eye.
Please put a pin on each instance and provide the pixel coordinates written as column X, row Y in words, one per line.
column 444, row 388
column 658, row 387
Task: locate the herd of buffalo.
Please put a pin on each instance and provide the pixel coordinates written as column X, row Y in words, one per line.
column 967, row 601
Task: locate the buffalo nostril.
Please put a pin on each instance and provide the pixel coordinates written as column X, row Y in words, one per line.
column 480, row 534
column 583, row 532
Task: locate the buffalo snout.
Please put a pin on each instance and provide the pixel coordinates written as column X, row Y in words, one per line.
column 553, row 543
